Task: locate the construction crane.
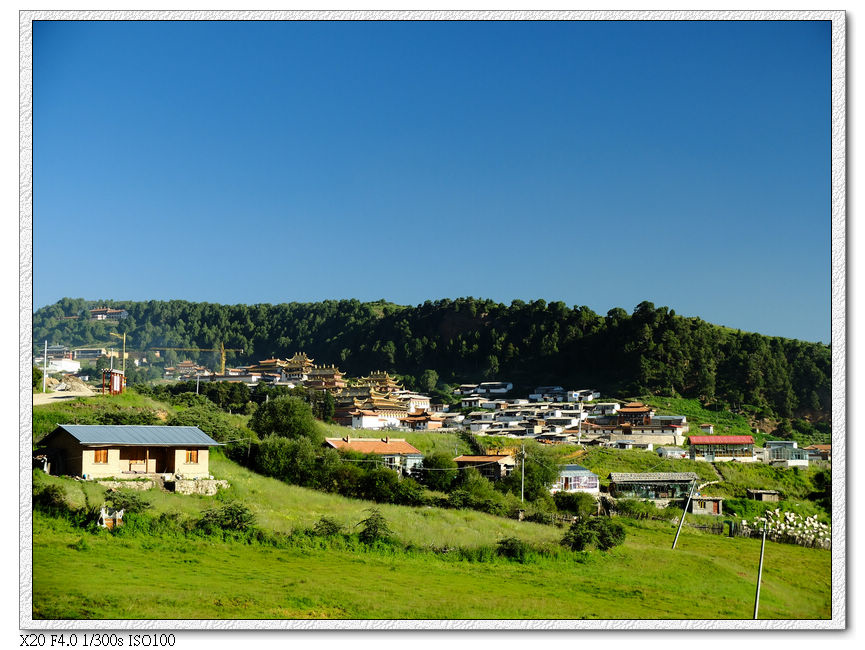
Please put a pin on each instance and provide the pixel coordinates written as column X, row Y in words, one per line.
column 221, row 349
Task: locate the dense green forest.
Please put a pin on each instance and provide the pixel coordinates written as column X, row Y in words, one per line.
column 651, row 350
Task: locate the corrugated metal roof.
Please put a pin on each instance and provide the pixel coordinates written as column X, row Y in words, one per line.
column 576, row 468
column 133, row 434
column 653, row 476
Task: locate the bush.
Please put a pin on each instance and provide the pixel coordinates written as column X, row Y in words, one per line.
column 579, row 504
column 439, row 471
column 232, row 517
column 326, row 527
column 375, row 528
column 580, row 536
column 600, row 532
column 129, row 501
column 512, row 548
column 51, row 499
column 380, row 485
column 636, row 509
column 609, row 533
column 478, row 493
column 209, row 419
column 409, row 493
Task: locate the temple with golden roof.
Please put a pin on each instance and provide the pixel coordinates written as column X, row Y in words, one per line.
column 381, row 381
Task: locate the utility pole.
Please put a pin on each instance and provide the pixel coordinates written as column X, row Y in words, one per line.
column 111, row 358
column 196, row 383
column 523, row 482
column 45, row 366
column 580, row 426
column 760, row 572
column 682, row 520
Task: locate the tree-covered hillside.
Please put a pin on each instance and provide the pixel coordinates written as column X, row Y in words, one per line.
column 468, row 339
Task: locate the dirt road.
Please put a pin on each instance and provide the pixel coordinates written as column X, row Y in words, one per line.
column 48, row 398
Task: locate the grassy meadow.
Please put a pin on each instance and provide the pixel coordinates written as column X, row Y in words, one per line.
column 79, row 574
column 101, row 576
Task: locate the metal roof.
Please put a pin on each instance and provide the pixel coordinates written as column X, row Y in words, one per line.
column 652, row 476
column 576, row 468
column 133, row 434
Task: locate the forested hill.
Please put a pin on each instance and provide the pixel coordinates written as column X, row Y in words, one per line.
column 530, row 344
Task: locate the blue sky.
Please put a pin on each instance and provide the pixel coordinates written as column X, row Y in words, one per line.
column 597, row 163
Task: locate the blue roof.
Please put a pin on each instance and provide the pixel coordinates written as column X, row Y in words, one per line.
column 576, row 468
column 133, row 434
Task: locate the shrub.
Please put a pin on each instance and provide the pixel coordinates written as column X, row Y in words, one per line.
column 208, row 418
column 129, row 501
column 409, row 493
column 326, row 527
column 609, row 533
column 232, row 516
column 580, row 504
column 51, row 499
column 375, row 528
column 439, row 471
column 635, row 509
column 512, row 548
column 600, row 532
column 580, row 536
column 380, row 485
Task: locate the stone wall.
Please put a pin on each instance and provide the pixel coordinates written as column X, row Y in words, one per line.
column 207, row 487
column 128, row 485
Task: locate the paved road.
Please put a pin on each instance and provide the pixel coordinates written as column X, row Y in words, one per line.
column 47, row 398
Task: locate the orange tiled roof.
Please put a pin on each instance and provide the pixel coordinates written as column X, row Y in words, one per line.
column 373, row 445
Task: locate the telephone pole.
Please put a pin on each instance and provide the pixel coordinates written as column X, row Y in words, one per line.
column 523, row 482
column 45, row 366
column 760, row 572
column 682, row 520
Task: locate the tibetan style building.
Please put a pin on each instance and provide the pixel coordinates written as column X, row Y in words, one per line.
column 635, row 413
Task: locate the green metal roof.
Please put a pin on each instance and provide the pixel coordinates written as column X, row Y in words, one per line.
column 133, row 434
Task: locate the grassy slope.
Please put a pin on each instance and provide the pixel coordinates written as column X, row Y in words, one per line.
column 706, row 577
column 282, row 507
column 46, row 417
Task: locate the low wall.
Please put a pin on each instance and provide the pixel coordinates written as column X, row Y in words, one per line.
column 207, row 487
column 128, row 485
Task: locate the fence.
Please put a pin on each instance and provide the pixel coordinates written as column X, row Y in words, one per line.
column 738, row 530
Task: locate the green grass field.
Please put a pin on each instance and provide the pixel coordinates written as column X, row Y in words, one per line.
column 82, row 575
column 100, row 576
column 282, row 508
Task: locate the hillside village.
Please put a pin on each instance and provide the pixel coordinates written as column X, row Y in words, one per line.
column 378, row 402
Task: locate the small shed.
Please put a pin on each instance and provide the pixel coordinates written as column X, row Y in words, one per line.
column 672, row 452
column 703, row 505
column 764, row 495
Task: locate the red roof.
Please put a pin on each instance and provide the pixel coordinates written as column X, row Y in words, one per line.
column 721, row 440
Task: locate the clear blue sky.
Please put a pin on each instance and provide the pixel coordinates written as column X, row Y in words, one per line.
column 597, row 163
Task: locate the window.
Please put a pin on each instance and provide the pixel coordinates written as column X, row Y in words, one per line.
column 191, row 456
column 100, row 455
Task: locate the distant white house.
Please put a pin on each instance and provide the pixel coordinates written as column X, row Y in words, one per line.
column 576, row 478
column 494, row 387
column 63, row 365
